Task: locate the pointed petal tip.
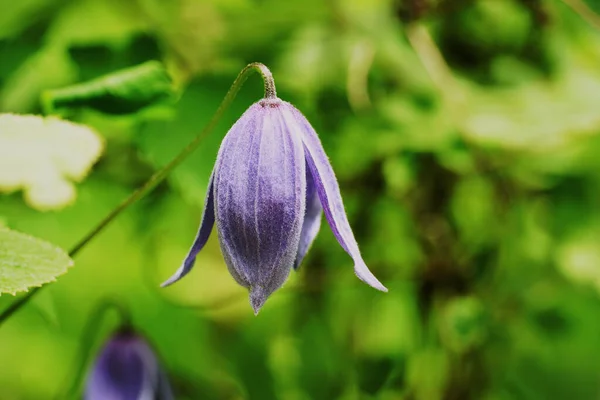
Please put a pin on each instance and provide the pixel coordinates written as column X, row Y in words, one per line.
column 166, row 283
column 171, row 280
column 258, row 297
column 375, row 284
column 364, row 274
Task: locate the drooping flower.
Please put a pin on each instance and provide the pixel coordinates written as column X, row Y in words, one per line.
column 271, row 182
column 127, row 369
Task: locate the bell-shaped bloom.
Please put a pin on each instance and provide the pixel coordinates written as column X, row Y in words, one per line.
column 271, row 182
column 127, row 369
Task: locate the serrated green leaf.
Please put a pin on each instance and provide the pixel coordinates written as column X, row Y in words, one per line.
column 26, row 261
column 42, row 155
column 123, row 92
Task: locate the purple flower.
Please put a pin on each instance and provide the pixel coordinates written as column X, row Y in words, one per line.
column 269, row 186
column 127, row 369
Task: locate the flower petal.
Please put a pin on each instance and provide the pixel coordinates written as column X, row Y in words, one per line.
column 330, row 196
column 312, row 219
column 260, row 199
column 208, row 220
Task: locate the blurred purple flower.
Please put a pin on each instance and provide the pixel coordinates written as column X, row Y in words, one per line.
column 127, row 369
column 270, row 184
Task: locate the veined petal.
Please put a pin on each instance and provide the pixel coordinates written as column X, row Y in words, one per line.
column 206, row 225
column 260, row 186
column 329, row 194
column 312, row 219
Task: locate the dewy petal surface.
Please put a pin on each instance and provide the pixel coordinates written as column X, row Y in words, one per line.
column 312, row 219
column 206, row 225
column 260, row 187
column 329, row 193
column 126, row 369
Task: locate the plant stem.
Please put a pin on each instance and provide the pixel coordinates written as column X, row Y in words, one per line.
column 160, row 175
column 265, row 73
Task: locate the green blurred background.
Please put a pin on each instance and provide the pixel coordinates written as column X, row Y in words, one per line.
column 466, row 139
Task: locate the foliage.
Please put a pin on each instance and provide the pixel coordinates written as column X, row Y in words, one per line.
column 465, row 135
column 26, row 261
column 123, row 92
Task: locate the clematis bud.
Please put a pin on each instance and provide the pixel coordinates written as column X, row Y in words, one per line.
column 127, row 369
column 270, row 185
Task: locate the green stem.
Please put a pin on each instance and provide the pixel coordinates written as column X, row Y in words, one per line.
column 160, row 175
column 270, row 91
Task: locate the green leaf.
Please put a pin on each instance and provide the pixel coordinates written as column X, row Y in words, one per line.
column 26, row 261
column 123, row 92
column 42, row 155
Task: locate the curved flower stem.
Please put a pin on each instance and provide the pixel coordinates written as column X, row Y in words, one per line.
column 160, row 175
column 265, row 73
